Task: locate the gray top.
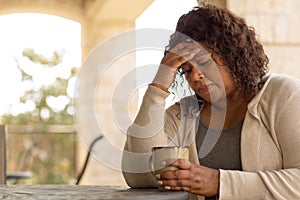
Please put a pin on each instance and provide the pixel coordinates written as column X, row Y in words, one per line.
column 219, row 149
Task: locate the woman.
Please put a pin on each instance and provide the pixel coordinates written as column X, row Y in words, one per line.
column 242, row 124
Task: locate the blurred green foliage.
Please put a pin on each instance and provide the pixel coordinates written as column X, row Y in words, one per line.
column 39, row 96
column 50, row 156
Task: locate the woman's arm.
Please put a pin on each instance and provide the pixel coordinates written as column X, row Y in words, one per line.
column 149, row 129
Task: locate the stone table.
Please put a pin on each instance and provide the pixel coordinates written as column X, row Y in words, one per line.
column 85, row 192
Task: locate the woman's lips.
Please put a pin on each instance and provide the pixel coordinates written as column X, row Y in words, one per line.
column 204, row 88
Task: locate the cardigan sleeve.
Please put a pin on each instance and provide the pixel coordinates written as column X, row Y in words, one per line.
column 147, row 130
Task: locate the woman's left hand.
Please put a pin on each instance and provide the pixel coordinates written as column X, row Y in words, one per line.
column 190, row 177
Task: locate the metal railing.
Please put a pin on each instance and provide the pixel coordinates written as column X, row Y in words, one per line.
column 38, row 129
column 33, row 132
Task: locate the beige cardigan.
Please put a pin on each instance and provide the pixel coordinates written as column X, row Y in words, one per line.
column 270, row 141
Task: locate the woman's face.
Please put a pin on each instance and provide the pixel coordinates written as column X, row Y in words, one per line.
column 210, row 80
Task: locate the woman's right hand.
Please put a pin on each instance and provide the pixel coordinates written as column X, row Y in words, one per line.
column 172, row 62
column 181, row 53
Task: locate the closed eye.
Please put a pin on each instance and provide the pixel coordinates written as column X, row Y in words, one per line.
column 205, row 63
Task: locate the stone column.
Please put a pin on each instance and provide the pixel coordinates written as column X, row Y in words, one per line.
column 103, row 21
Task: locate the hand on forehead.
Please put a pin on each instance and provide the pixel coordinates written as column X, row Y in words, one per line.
column 196, row 53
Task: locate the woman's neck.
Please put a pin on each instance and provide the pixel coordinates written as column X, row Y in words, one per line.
column 226, row 116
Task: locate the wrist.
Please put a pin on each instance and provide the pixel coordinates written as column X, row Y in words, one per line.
column 164, row 77
column 160, row 87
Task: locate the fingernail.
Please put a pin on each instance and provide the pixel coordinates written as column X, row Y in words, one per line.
column 167, row 187
column 159, row 182
column 157, row 176
column 191, row 56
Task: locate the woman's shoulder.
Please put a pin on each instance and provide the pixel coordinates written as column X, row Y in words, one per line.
column 174, row 111
column 281, row 87
column 283, row 83
column 187, row 106
column 277, row 88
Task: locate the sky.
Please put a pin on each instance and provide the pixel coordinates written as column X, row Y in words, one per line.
column 44, row 33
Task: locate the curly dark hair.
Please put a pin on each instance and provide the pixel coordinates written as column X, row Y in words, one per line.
column 230, row 37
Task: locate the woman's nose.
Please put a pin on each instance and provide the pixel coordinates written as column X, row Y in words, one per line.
column 197, row 76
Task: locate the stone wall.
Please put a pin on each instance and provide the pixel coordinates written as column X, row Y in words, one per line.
column 276, row 22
